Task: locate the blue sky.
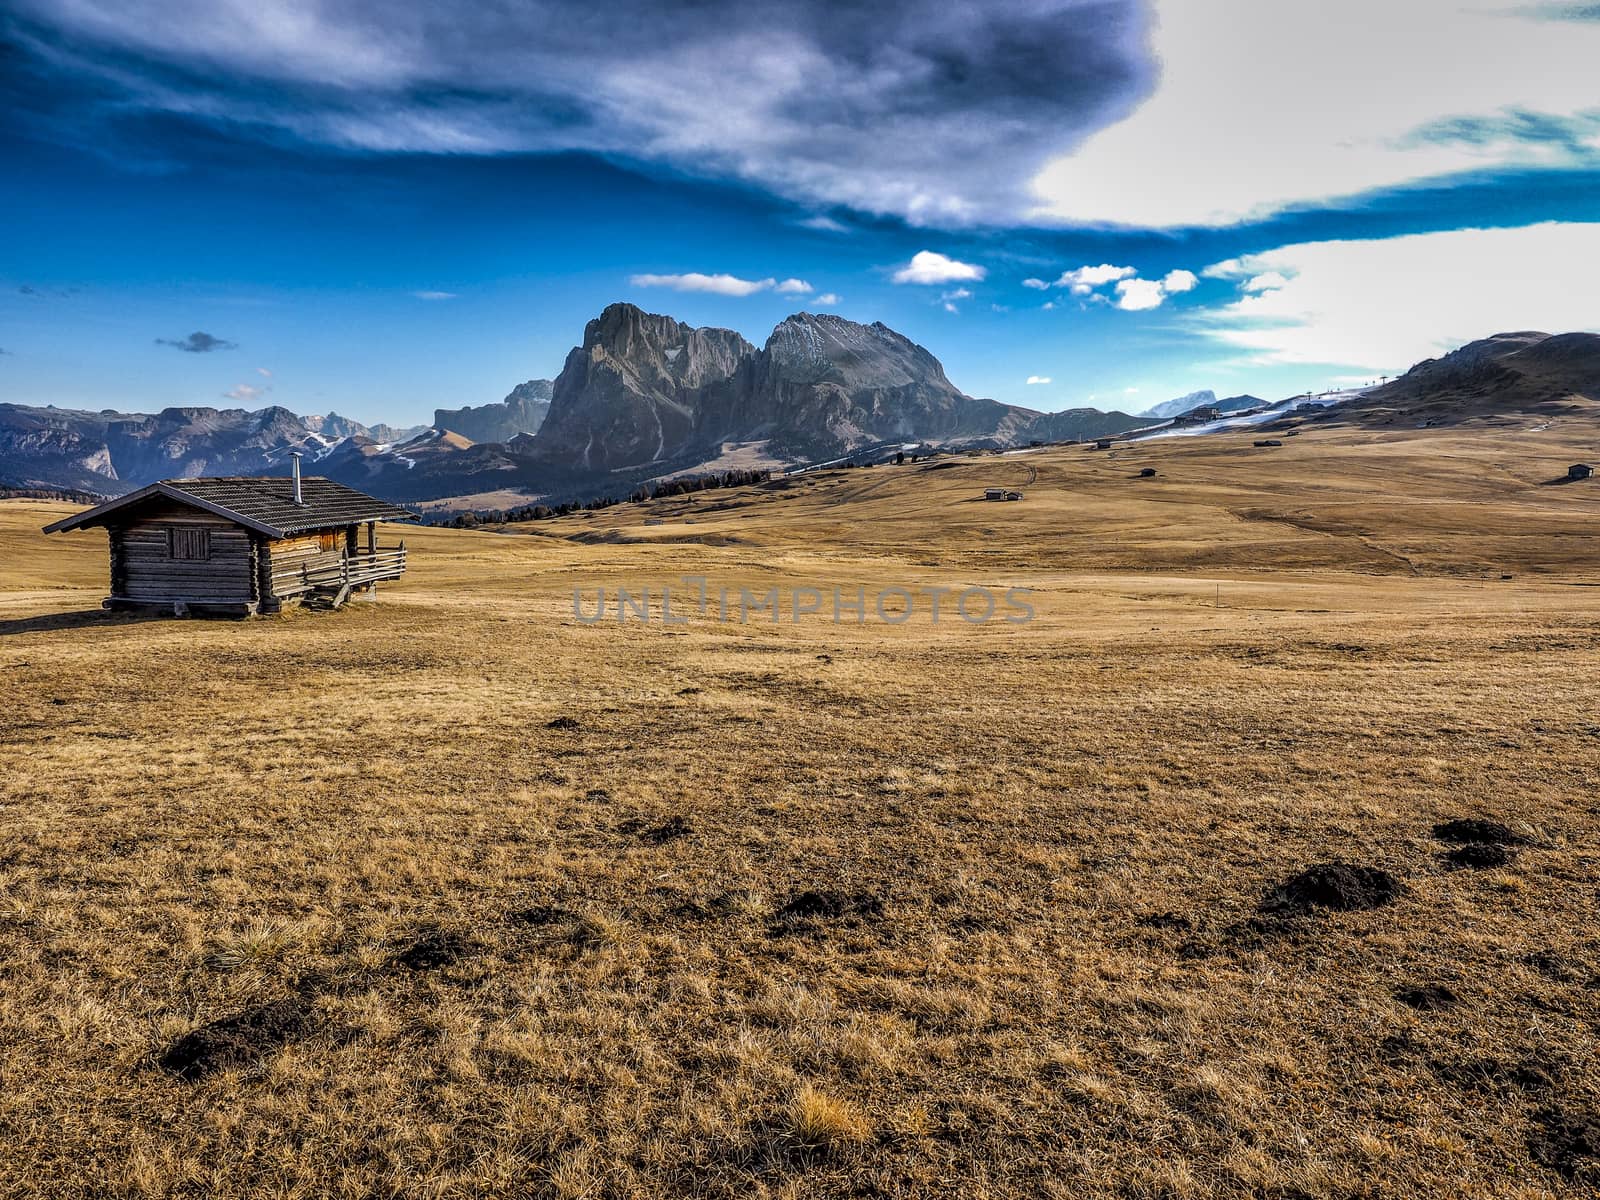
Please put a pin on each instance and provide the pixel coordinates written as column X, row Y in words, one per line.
column 378, row 211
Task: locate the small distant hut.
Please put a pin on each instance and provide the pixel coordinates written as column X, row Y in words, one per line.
column 1102, row 444
column 994, row 493
column 1579, row 471
column 241, row 546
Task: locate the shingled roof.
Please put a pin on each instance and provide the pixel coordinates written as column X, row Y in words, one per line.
column 265, row 505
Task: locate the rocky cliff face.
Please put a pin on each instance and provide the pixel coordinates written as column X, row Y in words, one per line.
column 831, row 385
column 522, row 411
column 632, row 392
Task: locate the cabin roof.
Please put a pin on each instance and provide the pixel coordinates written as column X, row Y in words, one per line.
column 265, row 505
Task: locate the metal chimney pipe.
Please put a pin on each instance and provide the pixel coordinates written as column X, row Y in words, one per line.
column 298, row 498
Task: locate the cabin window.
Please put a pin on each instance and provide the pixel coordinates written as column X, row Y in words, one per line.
column 189, row 544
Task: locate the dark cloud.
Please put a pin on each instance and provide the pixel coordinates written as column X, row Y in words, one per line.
column 198, row 343
column 937, row 112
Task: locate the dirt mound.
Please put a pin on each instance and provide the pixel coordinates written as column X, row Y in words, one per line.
column 1479, row 855
column 1528, row 1075
column 1568, row 1143
column 543, row 914
column 812, row 905
column 670, row 830
column 1166, row 920
column 1553, row 966
column 434, row 948
column 1426, row 997
column 1474, row 830
column 238, row 1040
column 1340, row 886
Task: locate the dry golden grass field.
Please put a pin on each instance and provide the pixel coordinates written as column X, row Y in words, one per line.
column 454, row 895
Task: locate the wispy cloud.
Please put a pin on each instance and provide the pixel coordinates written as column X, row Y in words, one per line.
column 1036, row 379
column 826, row 300
column 929, row 267
column 823, row 224
column 694, row 281
column 794, row 287
column 198, row 342
column 429, row 295
column 245, row 393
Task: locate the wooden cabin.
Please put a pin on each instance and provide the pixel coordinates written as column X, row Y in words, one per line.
column 243, row 546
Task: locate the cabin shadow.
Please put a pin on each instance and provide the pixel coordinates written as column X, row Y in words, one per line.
column 89, row 618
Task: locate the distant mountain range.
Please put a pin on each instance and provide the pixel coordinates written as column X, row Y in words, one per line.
column 1185, row 405
column 647, row 396
column 523, row 411
column 644, row 395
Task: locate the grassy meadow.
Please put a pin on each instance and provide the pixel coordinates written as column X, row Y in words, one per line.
column 457, row 895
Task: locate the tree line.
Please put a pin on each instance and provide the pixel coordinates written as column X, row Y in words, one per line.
column 679, row 486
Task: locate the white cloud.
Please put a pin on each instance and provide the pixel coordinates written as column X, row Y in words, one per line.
column 1130, row 391
column 1179, row 281
column 1085, row 279
column 794, row 287
column 928, row 266
column 263, row 372
column 1381, row 306
column 1037, row 285
column 950, row 308
column 958, row 294
column 1359, row 94
column 245, row 393
column 1033, row 379
column 1137, row 295
column 434, row 295
column 1048, row 305
column 826, row 300
column 1263, row 283
column 694, row 281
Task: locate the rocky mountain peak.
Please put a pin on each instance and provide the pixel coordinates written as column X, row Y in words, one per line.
column 822, row 347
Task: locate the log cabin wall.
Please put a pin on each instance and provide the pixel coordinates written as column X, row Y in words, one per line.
column 172, row 552
column 288, row 558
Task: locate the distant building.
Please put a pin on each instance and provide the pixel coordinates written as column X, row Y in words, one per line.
column 1579, row 471
column 243, row 545
column 1102, row 444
